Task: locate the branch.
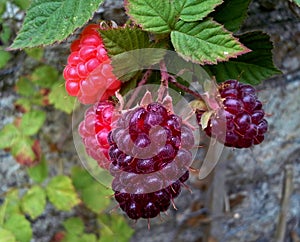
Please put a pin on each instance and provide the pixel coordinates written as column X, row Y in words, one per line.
column 285, row 200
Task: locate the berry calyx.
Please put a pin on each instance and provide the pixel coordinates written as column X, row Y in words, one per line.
column 240, row 122
column 88, row 73
column 94, row 130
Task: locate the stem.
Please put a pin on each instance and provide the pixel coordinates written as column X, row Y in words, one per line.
column 185, row 89
column 137, row 90
column 172, row 79
column 164, row 74
column 286, row 193
column 164, row 81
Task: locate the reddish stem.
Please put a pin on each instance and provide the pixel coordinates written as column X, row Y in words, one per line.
column 137, row 90
column 166, row 77
column 184, row 88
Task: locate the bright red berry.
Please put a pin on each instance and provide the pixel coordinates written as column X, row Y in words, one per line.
column 94, row 130
column 88, row 73
column 245, row 124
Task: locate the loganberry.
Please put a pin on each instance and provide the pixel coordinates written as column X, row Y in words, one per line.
column 245, row 124
column 88, row 73
column 145, row 140
column 94, row 130
column 149, row 153
column 147, row 205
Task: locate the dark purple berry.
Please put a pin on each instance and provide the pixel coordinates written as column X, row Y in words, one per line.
column 150, row 210
column 258, row 105
column 245, row 124
column 142, row 140
column 184, row 177
column 149, row 152
column 249, row 101
column 242, row 122
column 230, row 84
column 245, row 88
column 262, row 127
column 230, row 93
column 174, row 122
column 144, row 166
column 257, row 116
column 233, row 105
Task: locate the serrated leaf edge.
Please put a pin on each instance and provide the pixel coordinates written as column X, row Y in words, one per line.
column 55, row 42
column 246, row 49
column 128, row 27
column 126, row 6
column 213, row 10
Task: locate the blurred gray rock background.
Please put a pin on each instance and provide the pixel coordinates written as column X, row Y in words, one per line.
column 247, row 203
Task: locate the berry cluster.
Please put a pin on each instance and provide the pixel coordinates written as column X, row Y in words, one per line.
column 149, row 152
column 147, row 149
column 94, row 130
column 88, row 73
column 245, row 124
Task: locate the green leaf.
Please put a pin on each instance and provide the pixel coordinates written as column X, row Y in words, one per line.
column 23, row 4
column 231, row 13
column 60, row 99
column 23, row 152
column 34, row 201
column 25, row 87
column 45, row 76
column 119, row 42
column 252, row 67
column 49, row 21
column 194, row 10
column 81, row 178
column 88, row 238
column 13, row 203
column 205, row 42
column 154, row 16
column 35, row 53
column 95, row 193
column 23, row 104
column 74, row 226
column 296, row 1
column 114, row 228
column 6, row 32
column 130, row 85
column 106, row 234
column 75, row 231
column 39, row 172
column 192, row 71
column 2, row 212
column 91, row 191
column 2, row 7
column 71, row 237
column 128, row 64
column 20, row 227
column 4, row 58
column 7, row 236
column 61, row 193
column 32, row 122
column 8, row 136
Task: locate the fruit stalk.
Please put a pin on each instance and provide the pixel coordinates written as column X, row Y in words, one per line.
column 168, row 78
